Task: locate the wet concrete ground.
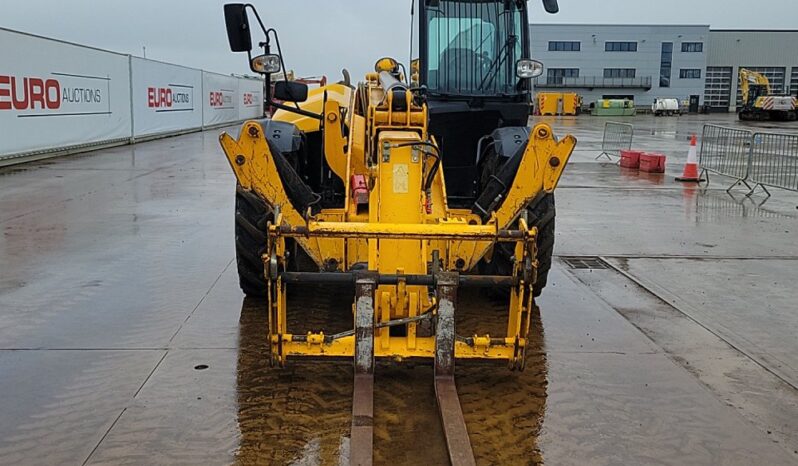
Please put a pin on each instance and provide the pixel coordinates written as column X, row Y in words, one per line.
column 124, row 338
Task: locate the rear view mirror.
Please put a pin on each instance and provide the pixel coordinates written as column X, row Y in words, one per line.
column 235, row 17
column 290, row 91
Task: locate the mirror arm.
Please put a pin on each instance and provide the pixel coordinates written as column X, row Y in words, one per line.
column 257, row 16
column 298, row 111
column 267, row 76
column 267, row 87
column 279, row 53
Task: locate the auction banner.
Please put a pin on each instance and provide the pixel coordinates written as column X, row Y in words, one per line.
column 166, row 98
column 250, row 92
column 220, row 99
column 55, row 95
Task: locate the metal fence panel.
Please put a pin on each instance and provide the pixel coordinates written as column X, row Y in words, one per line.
column 617, row 137
column 725, row 151
column 774, row 160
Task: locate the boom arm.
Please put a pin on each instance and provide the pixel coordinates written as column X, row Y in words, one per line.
column 749, row 77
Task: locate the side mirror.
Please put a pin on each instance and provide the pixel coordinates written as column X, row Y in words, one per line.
column 290, row 91
column 235, row 18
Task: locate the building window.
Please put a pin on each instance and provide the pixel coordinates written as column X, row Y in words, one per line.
column 619, row 72
column 558, row 75
column 564, row 46
column 665, row 64
column 690, row 74
column 692, row 46
column 794, row 82
column 620, row 46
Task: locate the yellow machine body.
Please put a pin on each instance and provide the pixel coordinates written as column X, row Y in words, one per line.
column 403, row 231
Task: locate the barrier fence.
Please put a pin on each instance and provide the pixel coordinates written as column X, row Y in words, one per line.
column 725, row 151
column 617, row 137
column 756, row 160
column 774, row 161
column 57, row 98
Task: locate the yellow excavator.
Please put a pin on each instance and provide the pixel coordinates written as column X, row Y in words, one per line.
column 403, row 192
column 759, row 102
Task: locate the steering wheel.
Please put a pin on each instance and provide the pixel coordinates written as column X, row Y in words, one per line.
column 461, row 63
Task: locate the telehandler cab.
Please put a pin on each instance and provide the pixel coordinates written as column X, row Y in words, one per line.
column 406, row 192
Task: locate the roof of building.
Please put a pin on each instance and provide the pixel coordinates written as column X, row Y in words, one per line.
column 753, row 30
column 665, row 26
column 621, row 25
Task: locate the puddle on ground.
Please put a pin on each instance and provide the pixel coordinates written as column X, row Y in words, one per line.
column 729, row 207
column 301, row 414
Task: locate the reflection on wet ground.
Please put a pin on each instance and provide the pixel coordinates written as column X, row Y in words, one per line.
column 504, row 410
column 719, row 207
column 301, row 414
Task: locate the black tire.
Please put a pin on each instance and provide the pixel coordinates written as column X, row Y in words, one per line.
column 252, row 215
column 542, row 215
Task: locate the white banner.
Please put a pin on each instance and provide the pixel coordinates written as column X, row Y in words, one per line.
column 251, row 94
column 166, row 98
column 54, row 94
column 220, row 99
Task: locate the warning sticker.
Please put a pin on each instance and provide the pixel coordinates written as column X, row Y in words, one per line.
column 400, row 175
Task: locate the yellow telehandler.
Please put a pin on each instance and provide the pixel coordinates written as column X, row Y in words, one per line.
column 404, row 192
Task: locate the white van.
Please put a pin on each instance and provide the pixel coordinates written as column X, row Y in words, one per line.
column 666, row 107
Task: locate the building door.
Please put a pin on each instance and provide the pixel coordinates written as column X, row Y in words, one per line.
column 718, row 88
column 694, row 99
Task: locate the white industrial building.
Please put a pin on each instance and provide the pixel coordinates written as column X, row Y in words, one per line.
column 772, row 53
column 692, row 63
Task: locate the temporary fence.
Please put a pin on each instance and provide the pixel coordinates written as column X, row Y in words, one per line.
column 725, row 151
column 57, row 97
column 617, row 137
column 755, row 160
column 774, row 161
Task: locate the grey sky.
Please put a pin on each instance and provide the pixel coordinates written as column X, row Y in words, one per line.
column 321, row 36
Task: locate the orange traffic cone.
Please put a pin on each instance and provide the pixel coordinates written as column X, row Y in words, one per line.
column 690, row 173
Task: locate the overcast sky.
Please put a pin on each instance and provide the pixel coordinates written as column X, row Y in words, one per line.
column 321, row 36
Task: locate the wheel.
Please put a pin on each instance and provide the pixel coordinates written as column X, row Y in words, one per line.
column 252, row 215
column 541, row 215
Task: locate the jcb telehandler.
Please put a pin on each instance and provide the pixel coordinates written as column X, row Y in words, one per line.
column 407, row 191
